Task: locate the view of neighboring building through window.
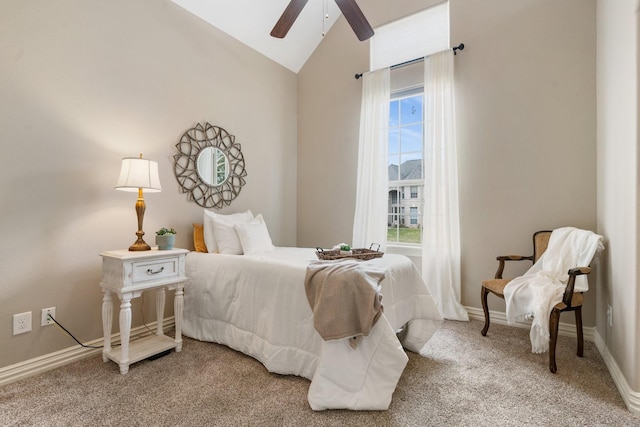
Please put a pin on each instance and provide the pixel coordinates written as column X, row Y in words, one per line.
column 406, row 136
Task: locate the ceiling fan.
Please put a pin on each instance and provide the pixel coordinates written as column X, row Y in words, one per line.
column 349, row 9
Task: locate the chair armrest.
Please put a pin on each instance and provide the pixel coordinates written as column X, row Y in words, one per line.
column 514, row 258
column 504, row 258
column 579, row 271
column 571, row 283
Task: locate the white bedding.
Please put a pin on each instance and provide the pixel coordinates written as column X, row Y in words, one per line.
column 257, row 304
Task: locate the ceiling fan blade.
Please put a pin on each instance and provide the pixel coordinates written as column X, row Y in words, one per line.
column 356, row 19
column 287, row 18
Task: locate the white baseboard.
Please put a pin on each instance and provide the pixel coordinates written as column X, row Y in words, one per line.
column 500, row 318
column 631, row 398
column 65, row 356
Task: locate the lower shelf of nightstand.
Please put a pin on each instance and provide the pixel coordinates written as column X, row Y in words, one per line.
column 144, row 347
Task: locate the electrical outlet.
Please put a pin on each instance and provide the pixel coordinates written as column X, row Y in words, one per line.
column 45, row 319
column 610, row 316
column 21, row 323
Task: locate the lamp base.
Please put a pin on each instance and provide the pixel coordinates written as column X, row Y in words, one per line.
column 140, row 245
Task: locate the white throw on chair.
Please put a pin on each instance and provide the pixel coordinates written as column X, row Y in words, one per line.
column 554, row 284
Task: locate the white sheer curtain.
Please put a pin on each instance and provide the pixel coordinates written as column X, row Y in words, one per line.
column 370, row 219
column 441, row 222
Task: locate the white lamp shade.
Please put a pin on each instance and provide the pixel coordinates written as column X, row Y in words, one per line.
column 137, row 173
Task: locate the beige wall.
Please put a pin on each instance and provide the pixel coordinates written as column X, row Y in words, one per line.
column 526, row 102
column 618, row 118
column 84, row 83
column 526, row 128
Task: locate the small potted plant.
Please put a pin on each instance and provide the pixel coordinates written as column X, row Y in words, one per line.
column 165, row 238
column 345, row 250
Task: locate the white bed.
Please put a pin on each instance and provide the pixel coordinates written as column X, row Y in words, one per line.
column 257, row 304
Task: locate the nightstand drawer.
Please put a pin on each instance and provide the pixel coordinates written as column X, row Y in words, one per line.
column 155, row 269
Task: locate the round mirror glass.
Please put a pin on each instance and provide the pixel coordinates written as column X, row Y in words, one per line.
column 213, row 166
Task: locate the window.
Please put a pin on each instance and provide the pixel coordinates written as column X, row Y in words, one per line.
column 406, row 136
column 393, row 196
column 414, row 215
column 399, row 45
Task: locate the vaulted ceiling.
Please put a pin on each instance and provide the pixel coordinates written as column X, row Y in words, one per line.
column 251, row 21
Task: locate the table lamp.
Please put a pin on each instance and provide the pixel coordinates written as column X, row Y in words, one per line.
column 137, row 174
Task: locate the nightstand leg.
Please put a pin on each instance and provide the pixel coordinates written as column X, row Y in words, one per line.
column 160, row 297
column 125, row 331
column 107, row 320
column 178, row 304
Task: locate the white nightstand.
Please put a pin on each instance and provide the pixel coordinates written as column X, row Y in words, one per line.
column 128, row 274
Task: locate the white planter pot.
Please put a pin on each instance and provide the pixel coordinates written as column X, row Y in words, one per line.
column 166, row 241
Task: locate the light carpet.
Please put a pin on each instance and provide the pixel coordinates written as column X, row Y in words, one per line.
column 463, row 380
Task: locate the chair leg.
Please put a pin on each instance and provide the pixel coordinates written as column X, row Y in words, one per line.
column 554, row 323
column 483, row 296
column 579, row 331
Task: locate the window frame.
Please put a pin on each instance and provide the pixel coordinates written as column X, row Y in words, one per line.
column 404, row 248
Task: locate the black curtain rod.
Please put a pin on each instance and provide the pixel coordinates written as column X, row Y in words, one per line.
column 455, row 48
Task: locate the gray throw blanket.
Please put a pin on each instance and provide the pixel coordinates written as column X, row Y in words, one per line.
column 345, row 298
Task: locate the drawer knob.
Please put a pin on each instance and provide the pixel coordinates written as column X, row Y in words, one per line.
column 150, row 271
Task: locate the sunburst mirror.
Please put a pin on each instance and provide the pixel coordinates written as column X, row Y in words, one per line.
column 209, row 166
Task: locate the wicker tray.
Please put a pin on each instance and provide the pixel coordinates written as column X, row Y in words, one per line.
column 362, row 254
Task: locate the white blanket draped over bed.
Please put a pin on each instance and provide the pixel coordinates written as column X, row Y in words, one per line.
column 257, row 304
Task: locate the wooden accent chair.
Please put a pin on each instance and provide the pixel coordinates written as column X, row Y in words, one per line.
column 572, row 301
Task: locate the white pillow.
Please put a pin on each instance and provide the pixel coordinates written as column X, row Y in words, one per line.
column 209, row 233
column 226, row 235
column 254, row 236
